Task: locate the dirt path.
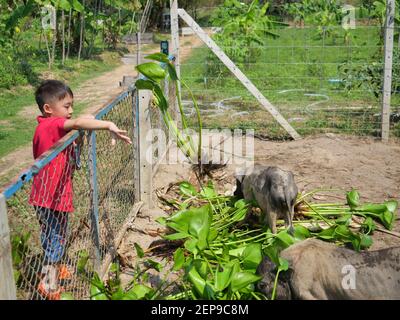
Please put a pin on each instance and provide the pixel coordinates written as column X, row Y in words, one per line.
column 95, row 93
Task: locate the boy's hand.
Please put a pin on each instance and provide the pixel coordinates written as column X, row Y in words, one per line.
column 117, row 133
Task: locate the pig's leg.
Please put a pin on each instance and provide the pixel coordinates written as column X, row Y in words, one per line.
column 269, row 215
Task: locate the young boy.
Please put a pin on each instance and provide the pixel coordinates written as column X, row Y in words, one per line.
column 52, row 192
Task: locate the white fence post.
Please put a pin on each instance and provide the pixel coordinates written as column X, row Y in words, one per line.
column 145, row 167
column 7, row 284
column 387, row 77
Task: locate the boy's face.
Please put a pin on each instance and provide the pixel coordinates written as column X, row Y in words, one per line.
column 60, row 108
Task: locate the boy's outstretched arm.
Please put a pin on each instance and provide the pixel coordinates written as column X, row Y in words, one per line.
column 93, row 124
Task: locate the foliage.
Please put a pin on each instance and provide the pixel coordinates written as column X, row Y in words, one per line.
column 112, row 289
column 327, row 16
column 154, row 74
column 369, row 76
column 220, row 262
column 245, row 28
column 19, row 251
column 378, row 11
column 79, row 25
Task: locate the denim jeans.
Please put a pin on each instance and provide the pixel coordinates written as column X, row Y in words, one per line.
column 54, row 227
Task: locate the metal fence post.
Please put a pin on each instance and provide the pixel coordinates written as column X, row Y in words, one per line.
column 7, row 284
column 145, row 167
column 94, row 199
column 387, row 76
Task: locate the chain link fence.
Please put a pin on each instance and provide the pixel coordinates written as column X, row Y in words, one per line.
column 322, row 79
column 68, row 241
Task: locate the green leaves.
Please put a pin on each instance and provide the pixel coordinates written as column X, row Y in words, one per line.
column 241, row 280
column 187, row 189
column 139, row 250
column 193, row 223
column 138, row 292
column 152, row 71
column 252, row 256
column 179, row 259
column 353, row 199
column 160, row 57
column 344, row 234
column 385, row 212
column 144, row 84
column 223, row 276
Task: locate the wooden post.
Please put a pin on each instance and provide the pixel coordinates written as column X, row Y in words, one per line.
column 174, row 51
column 138, row 44
column 387, row 77
column 7, row 284
column 135, row 114
column 145, row 167
column 238, row 73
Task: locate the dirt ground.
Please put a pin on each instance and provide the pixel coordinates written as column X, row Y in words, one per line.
column 325, row 161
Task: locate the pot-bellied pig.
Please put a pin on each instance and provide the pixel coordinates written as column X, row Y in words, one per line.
column 319, row 271
column 273, row 189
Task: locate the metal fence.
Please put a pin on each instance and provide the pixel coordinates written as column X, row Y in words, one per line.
column 105, row 198
column 321, row 79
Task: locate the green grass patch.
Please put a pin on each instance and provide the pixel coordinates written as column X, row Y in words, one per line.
column 18, row 127
column 299, row 74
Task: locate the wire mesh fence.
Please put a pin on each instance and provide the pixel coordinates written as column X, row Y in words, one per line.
column 70, row 214
column 320, row 78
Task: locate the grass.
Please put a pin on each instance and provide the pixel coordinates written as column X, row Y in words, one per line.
column 16, row 128
column 296, row 73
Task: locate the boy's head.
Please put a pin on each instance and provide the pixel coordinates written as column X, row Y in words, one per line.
column 55, row 99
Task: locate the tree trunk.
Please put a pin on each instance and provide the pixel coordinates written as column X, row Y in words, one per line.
column 48, row 49
column 63, row 36
column 94, row 34
column 69, row 33
column 53, row 49
column 54, row 42
column 81, row 32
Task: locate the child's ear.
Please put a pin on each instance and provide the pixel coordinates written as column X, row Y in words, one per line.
column 47, row 108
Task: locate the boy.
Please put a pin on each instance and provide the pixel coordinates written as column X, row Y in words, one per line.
column 52, row 191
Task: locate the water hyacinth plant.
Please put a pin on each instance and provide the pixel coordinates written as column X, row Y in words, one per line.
column 216, row 259
column 219, row 261
column 154, row 74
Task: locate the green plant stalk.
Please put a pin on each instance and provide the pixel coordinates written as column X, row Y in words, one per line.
column 258, row 237
column 275, row 285
column 179, row 295
column 173, row 128
column 198, row 119
column 242, row 233
column 183, row 119
column 326, row 221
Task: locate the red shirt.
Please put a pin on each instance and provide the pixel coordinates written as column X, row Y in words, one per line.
column 52, row 186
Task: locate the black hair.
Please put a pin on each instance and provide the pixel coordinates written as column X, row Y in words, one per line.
column 51, row 90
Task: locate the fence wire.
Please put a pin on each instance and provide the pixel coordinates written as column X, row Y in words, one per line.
column 321, row 79
column 53, row 238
